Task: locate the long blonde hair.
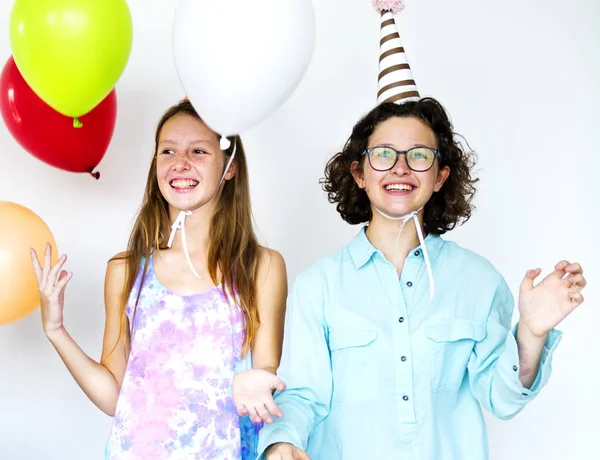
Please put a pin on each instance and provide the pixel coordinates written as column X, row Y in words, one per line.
column 233, row 247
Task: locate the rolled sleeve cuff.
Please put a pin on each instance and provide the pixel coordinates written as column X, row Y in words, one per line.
column 275, row 433
column 508, row 365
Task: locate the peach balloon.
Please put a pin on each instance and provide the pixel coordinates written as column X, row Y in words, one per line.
column 20, row 229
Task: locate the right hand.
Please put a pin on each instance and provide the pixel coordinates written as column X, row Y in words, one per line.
column 51, row 284
column 285, row 451
column 253, row 394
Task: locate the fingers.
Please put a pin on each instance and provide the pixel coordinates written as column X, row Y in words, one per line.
column 47, row 263
column 561, row 266
column 37, row 269
column 54, row 271
column 63, row 279
column 48, row 275
column 260, row 412
column 577, row 280
column 530, row 277
column 576, row 298
column 278, row 384
column 533, row 273
column 574, row 269
column 273, row 409
column 241, row 410
column 252, row 414
column 264, row 414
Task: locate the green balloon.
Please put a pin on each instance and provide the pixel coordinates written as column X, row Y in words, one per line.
column 71, row 52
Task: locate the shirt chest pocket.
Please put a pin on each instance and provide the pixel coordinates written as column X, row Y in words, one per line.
column 451, row 344
column 354, row 362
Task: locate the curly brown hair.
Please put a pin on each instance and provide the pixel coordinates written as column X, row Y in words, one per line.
column 450, row 206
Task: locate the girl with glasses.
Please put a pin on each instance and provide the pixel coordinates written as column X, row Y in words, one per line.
column 395, row 343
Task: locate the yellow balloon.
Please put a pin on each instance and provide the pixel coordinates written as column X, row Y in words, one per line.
column 21, row 229
column 71, row 52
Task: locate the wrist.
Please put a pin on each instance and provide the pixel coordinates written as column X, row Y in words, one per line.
column 55, row 334
column 527, row 333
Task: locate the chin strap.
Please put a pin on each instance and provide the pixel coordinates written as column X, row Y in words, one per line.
column 405, row 219
column 179, row 223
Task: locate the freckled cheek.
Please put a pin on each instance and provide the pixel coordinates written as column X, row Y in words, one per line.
column 162, row 169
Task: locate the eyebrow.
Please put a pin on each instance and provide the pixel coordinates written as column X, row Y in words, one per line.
column 414, row 146
column 196, row 142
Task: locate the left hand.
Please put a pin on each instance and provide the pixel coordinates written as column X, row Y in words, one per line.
column 544, row 306
column 253, row 394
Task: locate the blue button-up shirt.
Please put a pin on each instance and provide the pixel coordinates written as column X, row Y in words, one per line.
column 376, row 370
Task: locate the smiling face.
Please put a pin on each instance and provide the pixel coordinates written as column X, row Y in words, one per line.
column 189, row 163
column 400, row 190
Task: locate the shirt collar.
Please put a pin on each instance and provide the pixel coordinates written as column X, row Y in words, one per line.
column 361, row 250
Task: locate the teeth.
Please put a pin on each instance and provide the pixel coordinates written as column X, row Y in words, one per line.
column 183, row 183
column 405, row 187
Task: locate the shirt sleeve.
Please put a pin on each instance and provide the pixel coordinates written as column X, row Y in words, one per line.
column 494, row 364
column 305, row 368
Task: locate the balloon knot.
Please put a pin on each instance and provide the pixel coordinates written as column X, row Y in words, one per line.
column 95, row 175
column 77, row 123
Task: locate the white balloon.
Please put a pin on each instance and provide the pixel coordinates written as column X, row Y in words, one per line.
column 240, row 60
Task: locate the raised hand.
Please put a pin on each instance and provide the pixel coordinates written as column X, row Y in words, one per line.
column 51, row 284
column 253, row 394
column 544, row 306
column 285, row 451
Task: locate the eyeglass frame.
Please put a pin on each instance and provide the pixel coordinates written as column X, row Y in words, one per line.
column 368, row 151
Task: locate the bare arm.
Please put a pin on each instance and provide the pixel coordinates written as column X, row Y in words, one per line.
column 253, row 389
column 101, row 382
column 271, row 294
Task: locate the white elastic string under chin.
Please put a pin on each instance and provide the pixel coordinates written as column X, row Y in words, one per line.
column 405, row 219
column 179, row 223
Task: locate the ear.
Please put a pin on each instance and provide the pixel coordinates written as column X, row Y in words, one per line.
column 358, row 175
column 442, row 177
column 232, row 169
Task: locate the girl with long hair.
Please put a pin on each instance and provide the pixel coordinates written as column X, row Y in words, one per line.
column 194, row 308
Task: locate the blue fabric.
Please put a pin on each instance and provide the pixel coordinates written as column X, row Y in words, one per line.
column 377, row 370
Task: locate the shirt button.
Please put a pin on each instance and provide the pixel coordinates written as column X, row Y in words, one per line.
column 515, row 368
column 417, row 253
column 409, row 284
column 403, row 359
column 401, row 319
column 405, row 397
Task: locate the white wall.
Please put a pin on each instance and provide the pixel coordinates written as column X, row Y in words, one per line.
column 520, row 78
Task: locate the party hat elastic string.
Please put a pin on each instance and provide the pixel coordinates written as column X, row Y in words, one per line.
column 405, row 219
column 179, row 223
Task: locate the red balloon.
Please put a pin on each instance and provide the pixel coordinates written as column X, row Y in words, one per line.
column 50, row 136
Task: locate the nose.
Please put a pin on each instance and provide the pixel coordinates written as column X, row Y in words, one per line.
column 401, row 167
column 181, row 162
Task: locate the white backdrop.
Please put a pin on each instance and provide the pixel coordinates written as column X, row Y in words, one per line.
column 520, row 79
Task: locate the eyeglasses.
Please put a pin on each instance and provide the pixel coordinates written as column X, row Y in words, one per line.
column 419, row 159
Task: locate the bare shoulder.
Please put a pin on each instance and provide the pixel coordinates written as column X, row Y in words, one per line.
column 116, row 271
column 271, row 264
column 271, row 280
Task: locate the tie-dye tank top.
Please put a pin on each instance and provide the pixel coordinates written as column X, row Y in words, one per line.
column 175, row 402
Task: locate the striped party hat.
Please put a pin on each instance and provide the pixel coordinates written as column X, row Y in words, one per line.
column 396, row 82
